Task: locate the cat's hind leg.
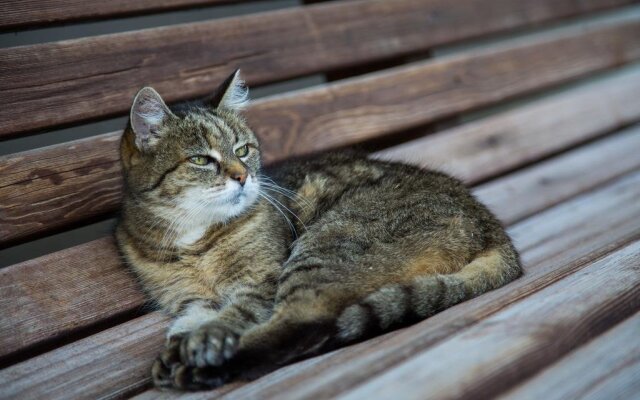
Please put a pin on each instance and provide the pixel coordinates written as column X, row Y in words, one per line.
column 314, row 317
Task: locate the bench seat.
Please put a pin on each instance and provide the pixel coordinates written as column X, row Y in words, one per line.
column 544, row 126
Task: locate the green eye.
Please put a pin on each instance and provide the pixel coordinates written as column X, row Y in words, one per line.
column 199, row 160
column 242, row 151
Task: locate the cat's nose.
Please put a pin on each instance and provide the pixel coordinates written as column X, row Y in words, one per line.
column 240, row 177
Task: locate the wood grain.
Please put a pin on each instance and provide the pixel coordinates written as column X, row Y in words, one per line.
column 83, row 308
column 58, row 83
column 519, row 340
column 46, row 189
column 606, row 368
column 70, row 190
column 592, row 207
column 390, row 101
column 586, row 215
column 50, row 296
column 113, row 362
column 491, row 144
column 20, row 14
column 547, row 182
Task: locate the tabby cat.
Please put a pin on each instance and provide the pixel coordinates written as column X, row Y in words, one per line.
column 264, row 267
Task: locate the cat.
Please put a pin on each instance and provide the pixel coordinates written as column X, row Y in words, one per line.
column 262, row 267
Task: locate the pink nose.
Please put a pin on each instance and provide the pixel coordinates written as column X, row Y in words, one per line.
column 241, row 177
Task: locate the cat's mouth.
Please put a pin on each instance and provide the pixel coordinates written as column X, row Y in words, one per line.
column 240, row 195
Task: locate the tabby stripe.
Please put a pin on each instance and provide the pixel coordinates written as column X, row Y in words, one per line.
column 214, row 305
column 440, row 301
column 246, row 314
column 372, row 320
column 296, row 288
column 184, row 304
column 223, row 127
column 410, row 309
column 257, row 296
column 159, row 182
column 293, row 270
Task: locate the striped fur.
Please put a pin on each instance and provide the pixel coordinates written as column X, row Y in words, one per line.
column 261, row 267
column 424, row 296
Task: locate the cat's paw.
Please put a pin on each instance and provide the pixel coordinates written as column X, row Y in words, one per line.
column 208, row 346
column 182, row 377
column 168, row 371
column 165, row 364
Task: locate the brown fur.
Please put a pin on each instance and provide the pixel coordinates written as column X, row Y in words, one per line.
column 369, row 246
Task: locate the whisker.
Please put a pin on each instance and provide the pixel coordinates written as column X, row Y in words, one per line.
column 286, row 208
column 291, row 226
column 298, row 202
column 292, row 194
column 273, row 183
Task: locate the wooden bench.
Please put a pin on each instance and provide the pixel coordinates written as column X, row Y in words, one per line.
column 545, row 126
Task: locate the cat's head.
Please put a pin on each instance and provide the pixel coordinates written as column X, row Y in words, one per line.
column 198, row 161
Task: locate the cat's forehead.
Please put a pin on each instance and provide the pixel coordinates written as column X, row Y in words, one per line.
column 208, row 130
column 210, row 125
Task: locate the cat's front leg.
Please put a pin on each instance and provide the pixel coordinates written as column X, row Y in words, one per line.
column 169, row 370
column 203, row 338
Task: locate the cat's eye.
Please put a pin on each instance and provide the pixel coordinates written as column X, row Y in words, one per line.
column 242, row 151
column 200, row 160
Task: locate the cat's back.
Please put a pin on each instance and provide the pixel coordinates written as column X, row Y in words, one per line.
column 350, row 173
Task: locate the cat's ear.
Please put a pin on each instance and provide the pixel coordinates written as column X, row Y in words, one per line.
column 148, row 115
column 232, row 94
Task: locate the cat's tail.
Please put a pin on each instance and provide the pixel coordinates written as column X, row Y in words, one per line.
column 424, row 296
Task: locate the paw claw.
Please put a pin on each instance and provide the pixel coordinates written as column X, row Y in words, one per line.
column 230, row 347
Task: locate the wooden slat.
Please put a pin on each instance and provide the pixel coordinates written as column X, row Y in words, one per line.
column 65, row 188
column 617, row 156
column 579, row 170
column 606, row 368
column 586, row 233
column 593, row 206
column 566, row 119
column 42, row 298
column 512, row 344
column 16, row 14
column 117, row 357
column 46, row 189
column 58, row 83
column 360, row 109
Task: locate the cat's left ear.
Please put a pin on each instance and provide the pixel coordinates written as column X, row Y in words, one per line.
column 232, row 94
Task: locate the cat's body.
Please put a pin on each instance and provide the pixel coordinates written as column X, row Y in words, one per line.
column 350, row 247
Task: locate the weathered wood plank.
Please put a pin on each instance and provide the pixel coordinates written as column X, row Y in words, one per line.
column 587, row 234
column 385, row 102
column 17, row 14
column 58, row 83
column 16, row 332
column 69, row 190
column 117, row 357
column 591, row 207
column 606, row 368
column 514, row 343
column 580, row 170
column 46, row 189
column 487, row 146
column 49, row 296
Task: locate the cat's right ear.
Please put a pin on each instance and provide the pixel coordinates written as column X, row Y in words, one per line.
column 148, row 114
